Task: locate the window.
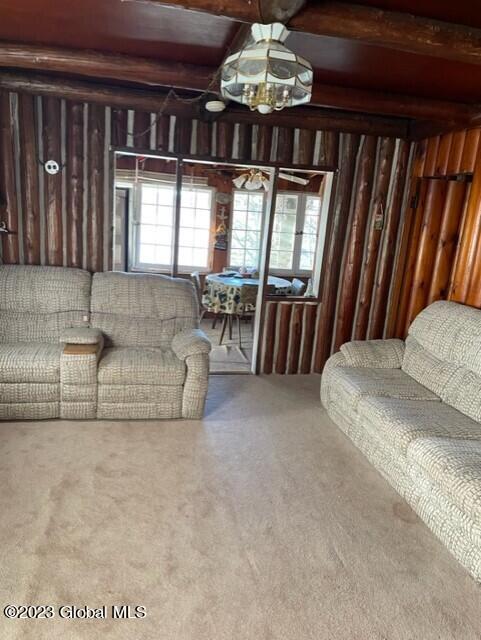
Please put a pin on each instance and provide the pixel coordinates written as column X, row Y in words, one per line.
column 154, row 227
column 294, row 237
column 247, row 212
column 295, row 232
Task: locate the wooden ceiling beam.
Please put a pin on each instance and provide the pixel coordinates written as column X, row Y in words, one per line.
column 122, row 68
column 143, row 100
column 395, row 30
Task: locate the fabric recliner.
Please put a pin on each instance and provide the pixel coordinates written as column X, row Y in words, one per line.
column 145, row 358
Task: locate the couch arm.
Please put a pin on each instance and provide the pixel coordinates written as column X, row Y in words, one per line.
column 378, row 354
column 190, row 342
column 82, row 335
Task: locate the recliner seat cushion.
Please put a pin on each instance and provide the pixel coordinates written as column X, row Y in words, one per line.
column 30, row 362
column 401, row 421
column 140, row 366
column 453, row 466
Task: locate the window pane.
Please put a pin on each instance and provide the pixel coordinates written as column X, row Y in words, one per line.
column 240, row 200
column 310, row 224
column 255, row 220
column 201, row 239
column 285, row 223
column 313, row 205
column 165, row 196
column 284, row 260
column 256, row 202
column 238, row 239
column 148, row 214
column 147, row 254
column 251, row 258
column 165, row 215
column 307, row 260
column 186, row 237
column 200, row 257
column 187, row 198
column 162, row 235
column 239, row 219
column 252, row 239
column 187, row 217
column 149, row 195
column 202, row 219
column 309, row 243
column 147, row 232
column 237, row 257
column 286, row 242
column 290, row 204
column 163, row 255
column 203, row 199
column 185, row 257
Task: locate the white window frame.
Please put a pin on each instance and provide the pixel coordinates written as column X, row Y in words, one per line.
column 135, row 224
column 300, row 217
column 231, row 227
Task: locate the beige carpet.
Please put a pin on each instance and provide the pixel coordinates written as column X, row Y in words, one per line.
column 260, row 523
column 227, row 357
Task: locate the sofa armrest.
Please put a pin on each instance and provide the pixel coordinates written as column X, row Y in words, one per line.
column 378, row 354
column 82, row 335
column 190, row 342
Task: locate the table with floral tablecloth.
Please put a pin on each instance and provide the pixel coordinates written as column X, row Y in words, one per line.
column 222, row 292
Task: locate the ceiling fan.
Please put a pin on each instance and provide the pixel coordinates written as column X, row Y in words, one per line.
column 255, row 179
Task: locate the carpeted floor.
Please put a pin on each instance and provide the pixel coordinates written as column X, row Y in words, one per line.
column 262, row 522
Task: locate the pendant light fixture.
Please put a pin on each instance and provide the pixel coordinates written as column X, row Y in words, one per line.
column 266, row 75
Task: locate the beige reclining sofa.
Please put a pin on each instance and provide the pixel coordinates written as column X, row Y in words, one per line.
column 414, row 409
column 114, row 345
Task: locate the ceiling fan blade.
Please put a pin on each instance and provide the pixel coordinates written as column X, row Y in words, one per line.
column 291, row 178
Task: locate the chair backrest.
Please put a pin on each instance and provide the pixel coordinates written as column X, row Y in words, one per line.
column 248, row 295
column 38, row 303
column 140, row 309
column 195, row 279
column 298, row 287
column 443, row 352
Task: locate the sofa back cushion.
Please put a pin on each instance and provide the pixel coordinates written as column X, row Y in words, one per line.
column 443, row 352
column 38, row 303
column 142, row 310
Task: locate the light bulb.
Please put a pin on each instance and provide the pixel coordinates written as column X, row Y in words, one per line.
column 264, row 109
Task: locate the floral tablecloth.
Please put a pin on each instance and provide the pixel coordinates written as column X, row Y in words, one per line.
column 222, row 292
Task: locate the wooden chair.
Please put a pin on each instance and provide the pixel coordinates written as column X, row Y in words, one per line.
column 297, row 287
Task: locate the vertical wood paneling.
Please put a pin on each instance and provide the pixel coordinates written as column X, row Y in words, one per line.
column 29, row 179
column 52, row 183
column 96, row 130
column 306, row 146
column 407, row 274
column 269, row 337
column 448, row 238
column 355, row 242
column 388, row 250
column 285, row 145
column 336, row 233
column 328, row 153
column 8, row 198
column 119, row 127
column 456, row 152
column 204, row 136
column 245, row 141
column 142, row 130
column 295, row 337
column 430, row 161
column 310, row 311
column 224, row 138
column 285, row 312
column 430, row 227
column 264, row 143
column 444, row 150
column 75, row 179
column 183, row 133
column 162, row 133
column 470, row 151
column 366, row 286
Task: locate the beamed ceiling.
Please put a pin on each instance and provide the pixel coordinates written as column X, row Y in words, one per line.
column 405, row 58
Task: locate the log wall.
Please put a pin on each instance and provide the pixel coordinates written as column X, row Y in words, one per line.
column 66, row 218
column 439, row 253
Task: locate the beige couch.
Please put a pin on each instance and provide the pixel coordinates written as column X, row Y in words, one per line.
column 114, row 345
column 414, row 409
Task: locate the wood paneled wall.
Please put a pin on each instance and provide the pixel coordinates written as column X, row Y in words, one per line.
column 361, row 242
column 440, row 242
column 65, row 219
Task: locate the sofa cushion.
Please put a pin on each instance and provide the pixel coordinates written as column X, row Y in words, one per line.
column 30, row 362
column 142, row 310
column 426, row 368
column 38, row 303
column 454, row 467
column 135, row 365
column 401, row 421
